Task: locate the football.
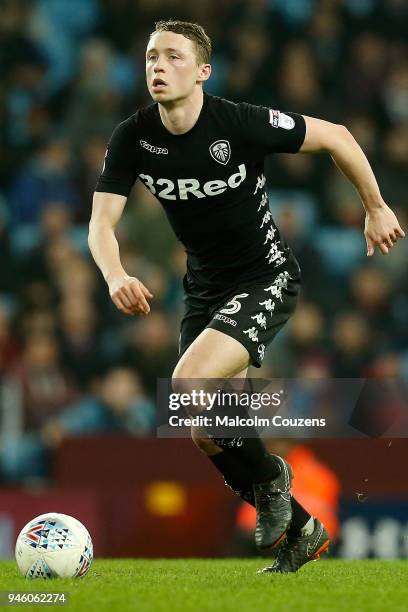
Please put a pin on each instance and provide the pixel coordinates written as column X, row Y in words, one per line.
column 54, row 546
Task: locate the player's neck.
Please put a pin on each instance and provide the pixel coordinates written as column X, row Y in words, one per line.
column 180, row 116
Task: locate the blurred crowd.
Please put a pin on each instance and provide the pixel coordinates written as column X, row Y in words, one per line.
column 70, row 70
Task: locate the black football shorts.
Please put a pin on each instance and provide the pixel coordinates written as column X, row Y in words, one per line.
column 252, row 314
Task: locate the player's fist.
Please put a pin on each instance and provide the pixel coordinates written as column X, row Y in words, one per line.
column 129, row 294
column 382, row 230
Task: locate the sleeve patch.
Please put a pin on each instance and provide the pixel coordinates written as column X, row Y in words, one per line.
column 278, row 119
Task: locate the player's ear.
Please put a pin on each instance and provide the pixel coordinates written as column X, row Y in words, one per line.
column 204, row 72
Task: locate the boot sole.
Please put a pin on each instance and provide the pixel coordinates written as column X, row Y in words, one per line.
column 324, row 548
column 274, row 544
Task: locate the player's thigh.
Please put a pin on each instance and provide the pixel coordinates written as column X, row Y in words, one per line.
column 213, row 354
column 203, row 356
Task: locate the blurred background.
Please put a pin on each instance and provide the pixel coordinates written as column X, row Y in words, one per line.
column 78, row 379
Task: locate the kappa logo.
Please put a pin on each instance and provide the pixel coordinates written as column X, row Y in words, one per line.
column 221, row 151
column 221, row 317
column 153, row 149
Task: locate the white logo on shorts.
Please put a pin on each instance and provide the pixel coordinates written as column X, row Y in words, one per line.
column 221, row 151
column 221, row 317
column 260, row 183
column 261, row 351
column 280, row 282
column 260, row 319
column 264, row 200
column 266, row 218
column 269, row 305
column 252, row 334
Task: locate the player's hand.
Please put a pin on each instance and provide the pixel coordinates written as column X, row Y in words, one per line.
column 129, row 295
column 382, row 230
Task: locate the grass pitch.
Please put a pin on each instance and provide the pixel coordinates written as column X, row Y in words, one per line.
column 202, row 585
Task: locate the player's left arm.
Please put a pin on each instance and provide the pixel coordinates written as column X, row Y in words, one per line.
column 381, row 225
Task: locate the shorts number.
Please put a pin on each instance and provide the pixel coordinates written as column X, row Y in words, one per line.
column 233, row 305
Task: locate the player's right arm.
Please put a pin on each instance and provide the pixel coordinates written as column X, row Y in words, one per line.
column 114, row 185
column 127, row 292
column 271, row 131
column 382, row 228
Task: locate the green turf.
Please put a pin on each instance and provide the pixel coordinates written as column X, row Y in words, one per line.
column 225, row 585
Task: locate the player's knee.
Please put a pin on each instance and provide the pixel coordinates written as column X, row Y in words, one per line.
column 191, row 380
column 180, row 381
column 184, row 378
column 186, row 371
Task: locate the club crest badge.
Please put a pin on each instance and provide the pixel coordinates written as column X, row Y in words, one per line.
column 221, row 151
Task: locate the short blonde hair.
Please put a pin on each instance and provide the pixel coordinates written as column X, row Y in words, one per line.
column 193, row 31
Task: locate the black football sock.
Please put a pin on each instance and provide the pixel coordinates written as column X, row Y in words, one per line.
column 300, row 517
column 235, row 474
column 252, row 453
column 247, row 448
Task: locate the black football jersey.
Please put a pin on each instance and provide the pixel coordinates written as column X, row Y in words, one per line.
column 211, row 184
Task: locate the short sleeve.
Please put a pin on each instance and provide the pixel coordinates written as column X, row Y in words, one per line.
column 271, row 131
column 120, row 168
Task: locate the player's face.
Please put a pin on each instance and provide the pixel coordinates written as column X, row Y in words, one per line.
column 172, row 71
